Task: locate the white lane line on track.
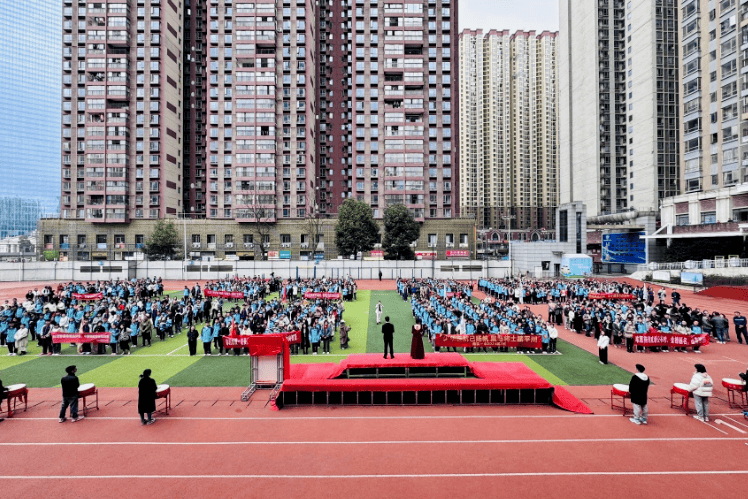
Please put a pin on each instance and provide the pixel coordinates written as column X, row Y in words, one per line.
column 389, row 476
column 176, row 349
column 715, row 427
column 384, row 442
column 335, row 418
column 736, row 421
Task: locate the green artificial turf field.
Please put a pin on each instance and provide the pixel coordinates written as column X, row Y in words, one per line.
column 171, row 363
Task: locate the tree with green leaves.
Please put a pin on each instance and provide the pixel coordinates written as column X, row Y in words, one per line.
column 356, row 229
column 163, row 241
column 400, row 230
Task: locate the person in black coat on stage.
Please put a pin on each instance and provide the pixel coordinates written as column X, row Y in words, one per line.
column 146, row 398
column 638, row 388
column 388, row 330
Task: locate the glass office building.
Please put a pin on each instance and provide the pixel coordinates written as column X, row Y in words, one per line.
column 30, row 87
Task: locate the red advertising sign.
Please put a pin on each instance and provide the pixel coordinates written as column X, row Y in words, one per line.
column 426, row 255
column 88, row 296
column 675, row 340
column 610, row 296
column 377, row 253
column 458, row 253
column 488, row 340
column 311, row 295
column 224, row 294
column 80, row 338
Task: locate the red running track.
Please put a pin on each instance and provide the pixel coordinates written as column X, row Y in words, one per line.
column 225, row 448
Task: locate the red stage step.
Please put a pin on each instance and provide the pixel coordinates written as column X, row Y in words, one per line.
column 438, row 378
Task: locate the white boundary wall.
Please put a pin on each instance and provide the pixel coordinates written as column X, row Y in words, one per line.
column 198, row 270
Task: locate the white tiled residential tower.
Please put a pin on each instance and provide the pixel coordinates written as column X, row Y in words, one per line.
column 618, row 104
column 508, row 129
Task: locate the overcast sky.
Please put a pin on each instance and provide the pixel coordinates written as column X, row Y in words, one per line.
column 528, row 15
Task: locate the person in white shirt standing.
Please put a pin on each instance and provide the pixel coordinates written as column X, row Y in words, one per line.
column 702, row 387
column 602, row 347
column 553, row 335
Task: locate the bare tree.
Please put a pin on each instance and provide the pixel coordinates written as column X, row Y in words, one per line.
column 314, row 226
column 264, row 219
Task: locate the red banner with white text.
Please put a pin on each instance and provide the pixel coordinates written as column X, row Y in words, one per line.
column 224, row 294
column 311, row 295
column 80, row 338
column 489, row 340
column 244, row 341
column 88, row 296
column 610, row 296
column 675, row 340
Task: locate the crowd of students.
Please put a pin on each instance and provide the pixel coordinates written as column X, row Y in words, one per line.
column 446, row 307
column 138, row 308
column 618, row 319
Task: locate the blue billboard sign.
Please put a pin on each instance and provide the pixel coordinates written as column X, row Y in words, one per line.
column 624, row 247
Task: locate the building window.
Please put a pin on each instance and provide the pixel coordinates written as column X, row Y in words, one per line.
column 740, row 215
column 681, row 219
column 709, row 217
column 563, row 224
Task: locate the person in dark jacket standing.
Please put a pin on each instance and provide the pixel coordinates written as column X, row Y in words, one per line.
column 70, row 384
column 192, row 336
column 388, row 330
column 146, row 397
column 638, row 388
column 740, row 328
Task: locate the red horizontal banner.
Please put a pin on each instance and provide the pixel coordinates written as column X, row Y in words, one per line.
column 246, row 341
column 80, row 338
column 310, row 295
column 88, row 296
column 675, row 340
column 610, row 296
column 224, row 294
column 458, row 253
column 488, row 340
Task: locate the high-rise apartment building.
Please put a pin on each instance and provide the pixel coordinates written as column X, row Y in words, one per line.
column 714, row 135
column 714, row 131
column 30, row 35
column 122, row 110
column 237, row 112
column 270, row 110
column 508, row 128
column 388, row 105
column 618, row 104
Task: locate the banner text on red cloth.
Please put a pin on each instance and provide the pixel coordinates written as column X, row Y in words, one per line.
column 224, row 294
column 80, row 338
column 310, row 295
column 670, row 340
column 610, row 296
column 488, row 340
column 244, row 341
column 88, row 296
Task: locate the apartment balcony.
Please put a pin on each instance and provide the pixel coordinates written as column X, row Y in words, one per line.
column 121, row 38
column 253, row 215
